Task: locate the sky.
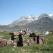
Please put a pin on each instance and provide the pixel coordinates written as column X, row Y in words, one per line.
column 11, row 10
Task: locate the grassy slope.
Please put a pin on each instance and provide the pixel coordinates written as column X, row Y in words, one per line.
column 47, row 47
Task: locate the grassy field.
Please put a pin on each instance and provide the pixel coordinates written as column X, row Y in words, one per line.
column 47, row 47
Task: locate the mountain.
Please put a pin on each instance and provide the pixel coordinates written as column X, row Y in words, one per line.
column 21, row 23
column 51, row 16
column 23, row 20
column 44, row 23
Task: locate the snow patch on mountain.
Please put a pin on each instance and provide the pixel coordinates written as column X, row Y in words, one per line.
column 29, row 18
column 50, row 15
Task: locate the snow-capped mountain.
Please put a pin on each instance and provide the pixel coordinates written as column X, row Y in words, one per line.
column 51, row 16
column 24, row 20
column 44, row 22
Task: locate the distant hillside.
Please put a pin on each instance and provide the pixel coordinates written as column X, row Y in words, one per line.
column 42, row 23
column 23, row 20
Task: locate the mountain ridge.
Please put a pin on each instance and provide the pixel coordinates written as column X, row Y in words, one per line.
column 43, row 22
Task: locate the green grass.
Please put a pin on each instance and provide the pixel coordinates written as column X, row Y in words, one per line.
column 5, row 35
column 47, row 47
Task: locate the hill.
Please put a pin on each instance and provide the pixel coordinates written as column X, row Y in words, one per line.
column 44, row 22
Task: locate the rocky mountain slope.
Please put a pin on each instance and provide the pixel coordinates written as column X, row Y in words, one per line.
column 44, row 22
